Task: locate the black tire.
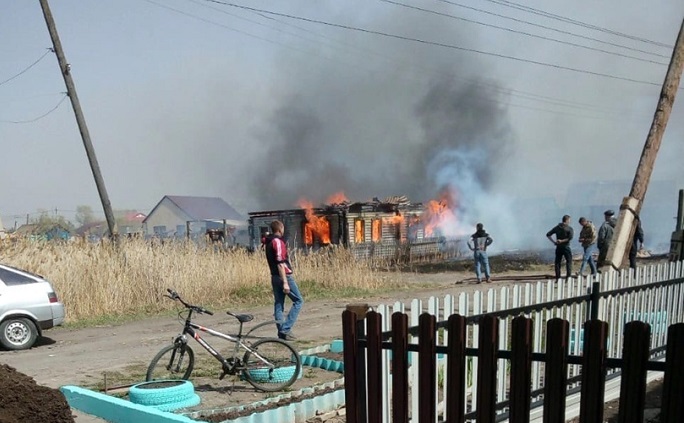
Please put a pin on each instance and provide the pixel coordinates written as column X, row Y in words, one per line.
column 283, row 368
column 172, row 363
column 18, row 333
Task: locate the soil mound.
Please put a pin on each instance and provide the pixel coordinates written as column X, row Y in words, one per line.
column 23, row 400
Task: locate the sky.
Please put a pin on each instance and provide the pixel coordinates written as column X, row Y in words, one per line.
column 487, row 99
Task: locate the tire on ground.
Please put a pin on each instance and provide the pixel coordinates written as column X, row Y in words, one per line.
column 165, row 395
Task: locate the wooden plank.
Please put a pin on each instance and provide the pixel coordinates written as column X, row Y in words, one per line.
column 635, row 354
column 486, row 372
column 672, row 410
column 427, row 376
column 361, row 371
column 555, row 370
column 521, row 370
column 374, row 367
column 593, row 371
column 456, row 370
column 400, row 368
column 349, row 340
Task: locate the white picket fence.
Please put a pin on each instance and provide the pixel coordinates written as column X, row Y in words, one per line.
column 660, row 307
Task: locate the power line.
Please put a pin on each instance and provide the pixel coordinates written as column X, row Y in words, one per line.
column 49, row 50
column 550, row 28
column 437, row 44
column 495, row 87
column 527, row 34
column 39, row 117
column 540, row 12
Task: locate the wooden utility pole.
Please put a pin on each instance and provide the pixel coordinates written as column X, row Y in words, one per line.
column 85, row 135
column 631, row 205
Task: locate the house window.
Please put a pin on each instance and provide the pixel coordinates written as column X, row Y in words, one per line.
column 376, row 230
column 359, row 231
column 159, row 230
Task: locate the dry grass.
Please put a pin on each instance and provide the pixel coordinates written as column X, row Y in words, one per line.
column 100, row 281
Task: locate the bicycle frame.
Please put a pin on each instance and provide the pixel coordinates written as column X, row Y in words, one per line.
column 191, row 329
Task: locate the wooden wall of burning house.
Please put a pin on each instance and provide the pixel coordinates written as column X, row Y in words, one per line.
column 368, row 229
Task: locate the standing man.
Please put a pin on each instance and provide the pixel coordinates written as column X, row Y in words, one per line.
column 587, row 238
column 282, row 282
column 478, row 243
column 637, row 242
column 564, row 233
column 605, row 235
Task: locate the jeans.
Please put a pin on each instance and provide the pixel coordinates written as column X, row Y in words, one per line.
column 588, row 257
column 560, row 254
column 481, row 260
column 285, row 326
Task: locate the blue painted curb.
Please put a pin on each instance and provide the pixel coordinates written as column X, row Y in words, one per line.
column 117, row 410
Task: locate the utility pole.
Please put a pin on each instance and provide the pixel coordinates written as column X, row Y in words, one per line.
column 83, row 129
column 631, row 205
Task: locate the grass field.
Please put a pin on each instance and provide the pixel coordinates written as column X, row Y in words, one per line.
column 101, row 281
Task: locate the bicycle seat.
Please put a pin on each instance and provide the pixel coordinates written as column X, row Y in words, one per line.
column 242, row 318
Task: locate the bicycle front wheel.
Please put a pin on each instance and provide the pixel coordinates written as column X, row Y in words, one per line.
column 272, row 365
column 173, row 362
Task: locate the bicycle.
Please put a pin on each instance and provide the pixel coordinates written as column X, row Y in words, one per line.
column 269, row 364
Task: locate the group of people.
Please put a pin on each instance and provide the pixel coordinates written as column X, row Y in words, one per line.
column 590, row 240
column 561, row 235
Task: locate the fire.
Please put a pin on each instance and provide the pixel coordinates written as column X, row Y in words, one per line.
column 394, row 220
column 337, row 198
column 438, row 212
column 317, row 225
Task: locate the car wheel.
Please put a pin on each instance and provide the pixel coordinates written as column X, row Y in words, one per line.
column 18, row 333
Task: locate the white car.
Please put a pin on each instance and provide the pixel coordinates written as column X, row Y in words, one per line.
column 28, row 305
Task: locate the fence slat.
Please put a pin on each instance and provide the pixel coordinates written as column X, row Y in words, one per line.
column 486, row 369
column 521, row 370
column 593, row 371
column 374, row 367
column 427, row 376
column 456, row 369
column 555, row 373
column 351, row 394
column 673, row 385
column 399, row 368
column 635, row 354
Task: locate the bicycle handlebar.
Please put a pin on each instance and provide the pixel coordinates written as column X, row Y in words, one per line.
column 174, row 296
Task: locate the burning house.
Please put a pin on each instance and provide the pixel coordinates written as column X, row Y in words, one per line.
column 393, row 227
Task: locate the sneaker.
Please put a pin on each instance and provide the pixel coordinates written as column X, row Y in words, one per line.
column 488, row 280
column 287, row 336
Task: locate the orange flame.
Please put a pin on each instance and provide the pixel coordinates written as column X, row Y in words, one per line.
column 317, row 225
column 376, row 230
column 437, row 212
column 337, row 198
column 394, row 220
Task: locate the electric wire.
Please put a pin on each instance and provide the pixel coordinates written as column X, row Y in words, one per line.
column 527, row 34
column 540, row 12
column 492, row 86
column 41, row 116
column 437, row 44
column 550, row 28
column 49, row 50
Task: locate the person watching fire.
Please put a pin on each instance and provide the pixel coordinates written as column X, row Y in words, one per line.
column 564, row 234
column 282, row 282
column 478, row 244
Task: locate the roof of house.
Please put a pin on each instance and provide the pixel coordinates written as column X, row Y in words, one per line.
column 37, row 229
column 202, row 208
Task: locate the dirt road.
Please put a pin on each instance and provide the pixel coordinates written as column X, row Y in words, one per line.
column 81, row 356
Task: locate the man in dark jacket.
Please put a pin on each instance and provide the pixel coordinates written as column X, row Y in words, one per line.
column 478, row 243
column 637, row 242
column 605, row 235
column 564, row 233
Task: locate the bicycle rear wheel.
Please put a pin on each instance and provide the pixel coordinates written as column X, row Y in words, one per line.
column 272, row 365
column 173, row 362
